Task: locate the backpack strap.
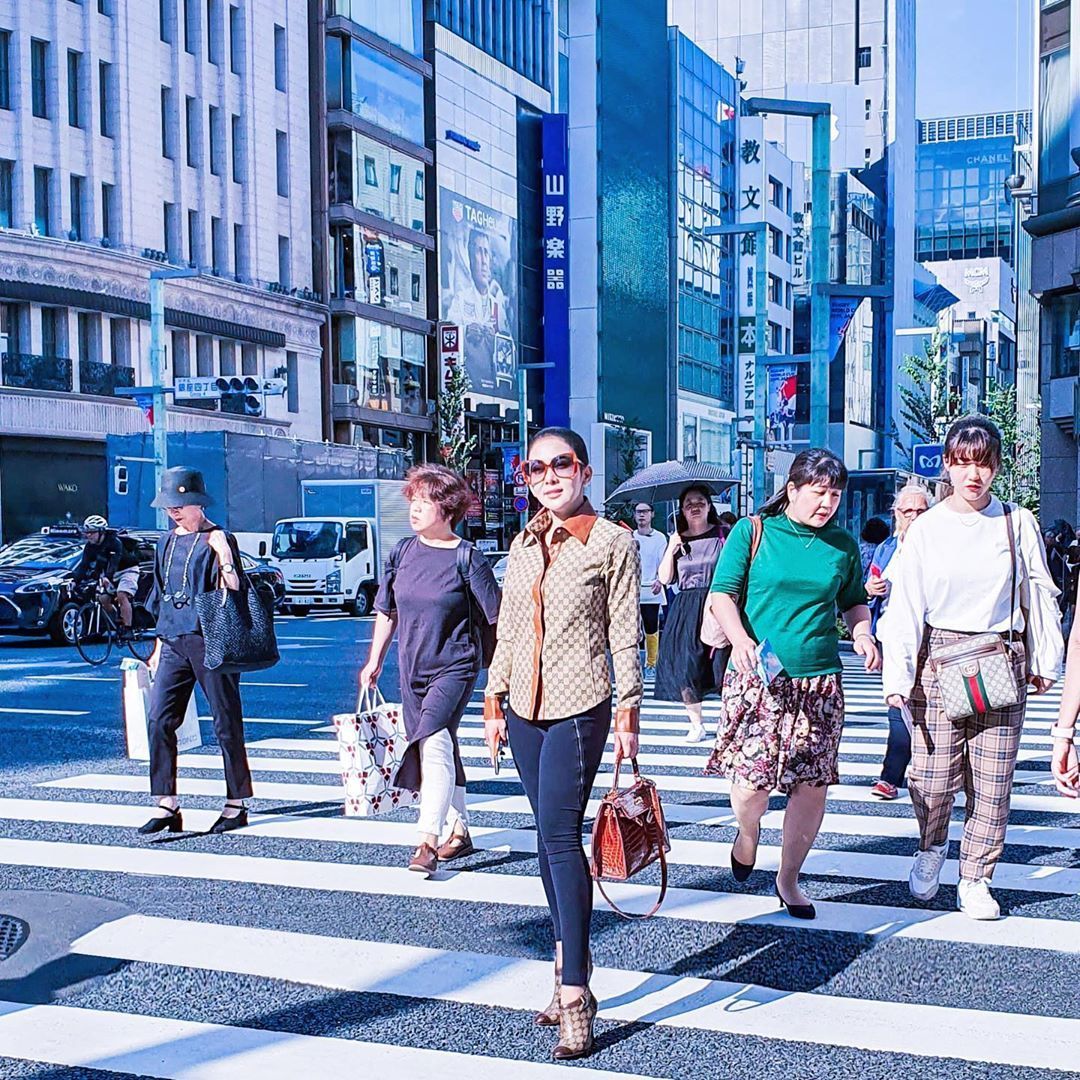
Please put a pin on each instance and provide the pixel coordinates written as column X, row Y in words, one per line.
column 463, row 560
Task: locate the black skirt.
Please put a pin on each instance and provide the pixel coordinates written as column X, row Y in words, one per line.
column 687, row 670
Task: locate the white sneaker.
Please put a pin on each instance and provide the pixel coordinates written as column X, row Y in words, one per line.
column 696, row 733
column 976, row 901
column 923, row 879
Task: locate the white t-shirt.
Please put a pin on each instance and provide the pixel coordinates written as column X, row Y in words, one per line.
column 955, row 573
column 652, row 548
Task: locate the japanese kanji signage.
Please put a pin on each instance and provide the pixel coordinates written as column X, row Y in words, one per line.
column 556, row 267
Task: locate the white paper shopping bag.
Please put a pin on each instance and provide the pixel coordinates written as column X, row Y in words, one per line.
column 136, row 691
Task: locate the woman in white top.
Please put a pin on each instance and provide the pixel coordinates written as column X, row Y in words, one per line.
column 954, row 580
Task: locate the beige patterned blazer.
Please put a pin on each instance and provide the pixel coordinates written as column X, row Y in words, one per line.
column 566, row 605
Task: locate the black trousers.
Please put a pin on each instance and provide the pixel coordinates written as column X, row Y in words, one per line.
column 180, row 667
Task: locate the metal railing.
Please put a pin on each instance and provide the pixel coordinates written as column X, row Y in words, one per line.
column 103, row 379
column 27, row 371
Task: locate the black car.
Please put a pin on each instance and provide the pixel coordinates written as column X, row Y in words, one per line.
column 35, row 581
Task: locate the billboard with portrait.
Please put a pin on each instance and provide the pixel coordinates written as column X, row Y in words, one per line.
column 478, row 290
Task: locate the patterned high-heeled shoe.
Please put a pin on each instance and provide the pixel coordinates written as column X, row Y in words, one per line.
column 576, row 1028
column 549, row 1017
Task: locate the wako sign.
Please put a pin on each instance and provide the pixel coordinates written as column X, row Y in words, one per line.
column 927, row 460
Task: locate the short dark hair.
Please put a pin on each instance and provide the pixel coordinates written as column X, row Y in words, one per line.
column 444, row 487
column 568, row 436
column 974, row 438
column 814, row 466
column 875, row 531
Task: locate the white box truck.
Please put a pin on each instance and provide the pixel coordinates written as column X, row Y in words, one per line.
column 333, row 555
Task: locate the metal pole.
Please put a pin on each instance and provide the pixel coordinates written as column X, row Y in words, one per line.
column 523, row 429
column 819, row 280
column 157, row 381
column 761, row 375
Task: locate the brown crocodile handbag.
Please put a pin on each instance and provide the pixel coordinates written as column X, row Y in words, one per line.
column 630, row 833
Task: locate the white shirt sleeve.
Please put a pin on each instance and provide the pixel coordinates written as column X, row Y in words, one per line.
column 1039, row 595
column 905, row 618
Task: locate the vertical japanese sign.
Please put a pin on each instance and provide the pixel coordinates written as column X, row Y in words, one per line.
column 750, row 206
column 556, row 267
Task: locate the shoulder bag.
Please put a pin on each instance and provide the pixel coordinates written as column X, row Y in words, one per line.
column 977, row 675
column 712, row 633
column 630, row 833
column 237, row 625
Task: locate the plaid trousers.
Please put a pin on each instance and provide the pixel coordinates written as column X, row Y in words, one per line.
column 977, row 752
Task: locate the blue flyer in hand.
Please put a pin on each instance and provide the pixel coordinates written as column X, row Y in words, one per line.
column 768, row 663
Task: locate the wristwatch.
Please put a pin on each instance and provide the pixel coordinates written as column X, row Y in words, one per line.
column 1063, row 733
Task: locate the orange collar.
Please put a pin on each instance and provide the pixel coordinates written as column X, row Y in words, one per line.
column 580, row 525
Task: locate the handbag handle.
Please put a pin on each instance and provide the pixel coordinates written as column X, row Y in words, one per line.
column 369, row 699
column 618, row 768
column 663, row 877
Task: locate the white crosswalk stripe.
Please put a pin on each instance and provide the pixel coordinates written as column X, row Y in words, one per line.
column 79, row 826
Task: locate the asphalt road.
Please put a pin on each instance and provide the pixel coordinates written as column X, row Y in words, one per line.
column 302, row 942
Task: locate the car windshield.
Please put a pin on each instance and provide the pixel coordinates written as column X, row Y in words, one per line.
column 306, row 540
column 41, row 553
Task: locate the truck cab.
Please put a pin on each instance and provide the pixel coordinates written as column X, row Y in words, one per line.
column 327, row 562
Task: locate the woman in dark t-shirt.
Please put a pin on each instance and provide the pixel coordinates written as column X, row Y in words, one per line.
column 436, row 599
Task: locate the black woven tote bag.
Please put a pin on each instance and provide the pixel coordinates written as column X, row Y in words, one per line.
column 238, row 628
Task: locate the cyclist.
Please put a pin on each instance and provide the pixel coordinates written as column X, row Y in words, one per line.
column 107, row 560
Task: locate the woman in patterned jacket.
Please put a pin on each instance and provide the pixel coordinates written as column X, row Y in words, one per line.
column 570, row 597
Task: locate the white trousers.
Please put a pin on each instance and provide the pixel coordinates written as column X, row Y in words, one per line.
column 442, row 802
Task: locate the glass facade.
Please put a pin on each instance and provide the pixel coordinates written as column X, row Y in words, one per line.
column 1055, row 107
column 962, row 211
column 385, row 364
column 1061, row 335
column 374, row 87
column 517, row 33
column 377, row 270
column 401, row 22
column 376, row 179
column 705, row 167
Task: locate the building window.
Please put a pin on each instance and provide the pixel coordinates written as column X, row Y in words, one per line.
column 103, row 7
column 190, row 8
column 181, row 357
column 236, row 41
column 869, row 107
column 204, row 355
column 237, row 150
column 776, row 290
column 214, row 31
column 283, row 164
column 416, row 288
column 280, row 58
column 191, row 117
column 418, row 187
column 249, row 359
column 108, row 194
column 788, row 296
column 239, row 255
column 42, row 200
column 776, row 242
column 89, row 337
column 194, row 238
column 74, row 88
column 105, row 98
column 167, row 148
column 776, row 337
column 776, row 193
column 78, row 189
column 216, row 140
column 39, row 66
column 7, row 209
column 53, row 336
column 371, row 176
column 864, row 57
column 284, row 262
column 227, row 357
column 292, row 382
column 5, row 69
column 169, row 230
column 395, row 179
column 393, row 281
column 218, row 254
column 120, row 342
column 166, row 20
column 866, row 155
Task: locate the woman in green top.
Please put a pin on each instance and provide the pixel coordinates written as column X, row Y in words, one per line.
column 785, row 733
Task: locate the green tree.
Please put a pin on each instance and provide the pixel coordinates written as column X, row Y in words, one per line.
column 456, row 446
column 625, row 445
column 1018, row 479
column 929, row 405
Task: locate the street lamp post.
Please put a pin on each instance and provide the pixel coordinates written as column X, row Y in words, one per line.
column 523, row 418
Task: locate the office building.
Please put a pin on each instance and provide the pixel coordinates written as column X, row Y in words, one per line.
column 1053, row 200
column 135, row 136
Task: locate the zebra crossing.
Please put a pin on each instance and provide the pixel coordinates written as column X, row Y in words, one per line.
column 304, row 943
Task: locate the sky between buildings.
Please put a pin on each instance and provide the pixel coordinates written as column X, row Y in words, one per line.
column 970, row 58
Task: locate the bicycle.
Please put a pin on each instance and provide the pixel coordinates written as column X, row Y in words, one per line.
column 98, row 629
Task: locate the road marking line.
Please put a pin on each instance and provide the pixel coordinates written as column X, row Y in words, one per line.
column 46, row 712
column 269, row 720
column 78, row 678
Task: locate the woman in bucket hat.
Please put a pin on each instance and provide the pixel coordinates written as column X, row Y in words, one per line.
column 195, row 557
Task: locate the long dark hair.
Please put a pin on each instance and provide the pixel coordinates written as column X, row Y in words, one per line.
column 680, row 518
column 814, row 466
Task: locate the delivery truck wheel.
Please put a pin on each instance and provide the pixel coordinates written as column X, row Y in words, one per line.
column 362, row 605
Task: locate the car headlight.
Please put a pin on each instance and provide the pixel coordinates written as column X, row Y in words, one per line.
column 333, row 581
column 39, row 585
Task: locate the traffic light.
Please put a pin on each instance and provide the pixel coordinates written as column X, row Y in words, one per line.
column 240, row 396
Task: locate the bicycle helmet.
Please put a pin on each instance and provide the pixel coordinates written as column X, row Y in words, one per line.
column 95, row 523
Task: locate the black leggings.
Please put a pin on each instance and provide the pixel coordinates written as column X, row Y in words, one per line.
column 650, row 618
column 557, row 761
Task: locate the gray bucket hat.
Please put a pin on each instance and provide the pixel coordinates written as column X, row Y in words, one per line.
column 181, row 486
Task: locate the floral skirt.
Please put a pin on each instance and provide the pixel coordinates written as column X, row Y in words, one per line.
column 776, row 737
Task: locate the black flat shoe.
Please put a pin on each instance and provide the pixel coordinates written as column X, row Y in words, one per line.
column 796, row 911
column 739, row 870
column 227, row 824
column 173, row 821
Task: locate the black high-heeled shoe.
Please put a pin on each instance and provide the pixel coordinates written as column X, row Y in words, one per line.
column 173, row 821
column 227, row 824
column 739, row 870
column 796, row 911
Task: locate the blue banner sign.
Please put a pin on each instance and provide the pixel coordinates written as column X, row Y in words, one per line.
column 556, row 267
column 927, row 460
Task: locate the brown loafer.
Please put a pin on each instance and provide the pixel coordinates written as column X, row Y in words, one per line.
column 576, row 1028
column 425, row 860
column 456, row 847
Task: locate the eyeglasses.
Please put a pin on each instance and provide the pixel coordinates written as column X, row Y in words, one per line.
column 534, row 471
column 911, row 511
